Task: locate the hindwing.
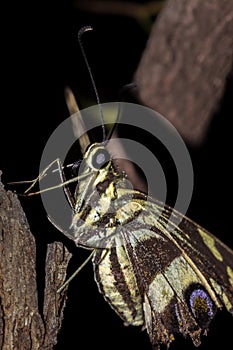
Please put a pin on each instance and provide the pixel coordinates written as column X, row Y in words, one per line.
column 170, row 279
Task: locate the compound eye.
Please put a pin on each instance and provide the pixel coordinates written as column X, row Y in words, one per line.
column 100, row 159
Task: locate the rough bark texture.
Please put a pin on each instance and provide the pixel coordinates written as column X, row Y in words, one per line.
column 188, row 56
column 57, row 261
column 21, row 325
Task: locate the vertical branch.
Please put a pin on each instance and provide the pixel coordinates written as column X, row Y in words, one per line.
column 21, row 325
column 57, row 260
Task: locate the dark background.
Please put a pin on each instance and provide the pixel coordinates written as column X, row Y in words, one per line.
column 40, row 56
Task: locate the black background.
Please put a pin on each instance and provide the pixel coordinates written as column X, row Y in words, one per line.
column 40, row 56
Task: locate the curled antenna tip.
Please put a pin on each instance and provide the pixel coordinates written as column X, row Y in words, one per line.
column 83, row 30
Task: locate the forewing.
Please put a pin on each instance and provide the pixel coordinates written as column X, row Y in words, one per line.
column 210, row 258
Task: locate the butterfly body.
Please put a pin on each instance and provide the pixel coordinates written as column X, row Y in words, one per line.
column 165, row 277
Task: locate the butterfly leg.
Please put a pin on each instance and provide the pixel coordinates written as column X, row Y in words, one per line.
column 38, row 178
column 76, row 272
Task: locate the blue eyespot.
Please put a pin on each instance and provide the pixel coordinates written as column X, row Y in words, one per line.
column 200, row 304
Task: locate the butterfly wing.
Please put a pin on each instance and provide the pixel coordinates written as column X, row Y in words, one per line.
column 180, row 274
column 186, row 273
column 209, row 257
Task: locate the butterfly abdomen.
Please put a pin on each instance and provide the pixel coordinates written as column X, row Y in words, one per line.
column 115, row 278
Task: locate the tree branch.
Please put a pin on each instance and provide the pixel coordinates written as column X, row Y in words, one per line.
column 189, row 55
column 21, row 325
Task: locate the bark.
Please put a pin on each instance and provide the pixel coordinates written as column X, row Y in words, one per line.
column 189, row 55
column 21, row 324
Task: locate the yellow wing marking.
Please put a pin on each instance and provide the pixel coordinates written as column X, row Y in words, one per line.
column 194, row 267
column 219, row 291
column 230, row 274
column 210, row 243
column 179, row 274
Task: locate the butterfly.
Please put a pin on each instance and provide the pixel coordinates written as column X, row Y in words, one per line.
column 164, row 277
column 167, row 281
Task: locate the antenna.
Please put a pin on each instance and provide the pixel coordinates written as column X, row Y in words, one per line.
column 80, row 33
